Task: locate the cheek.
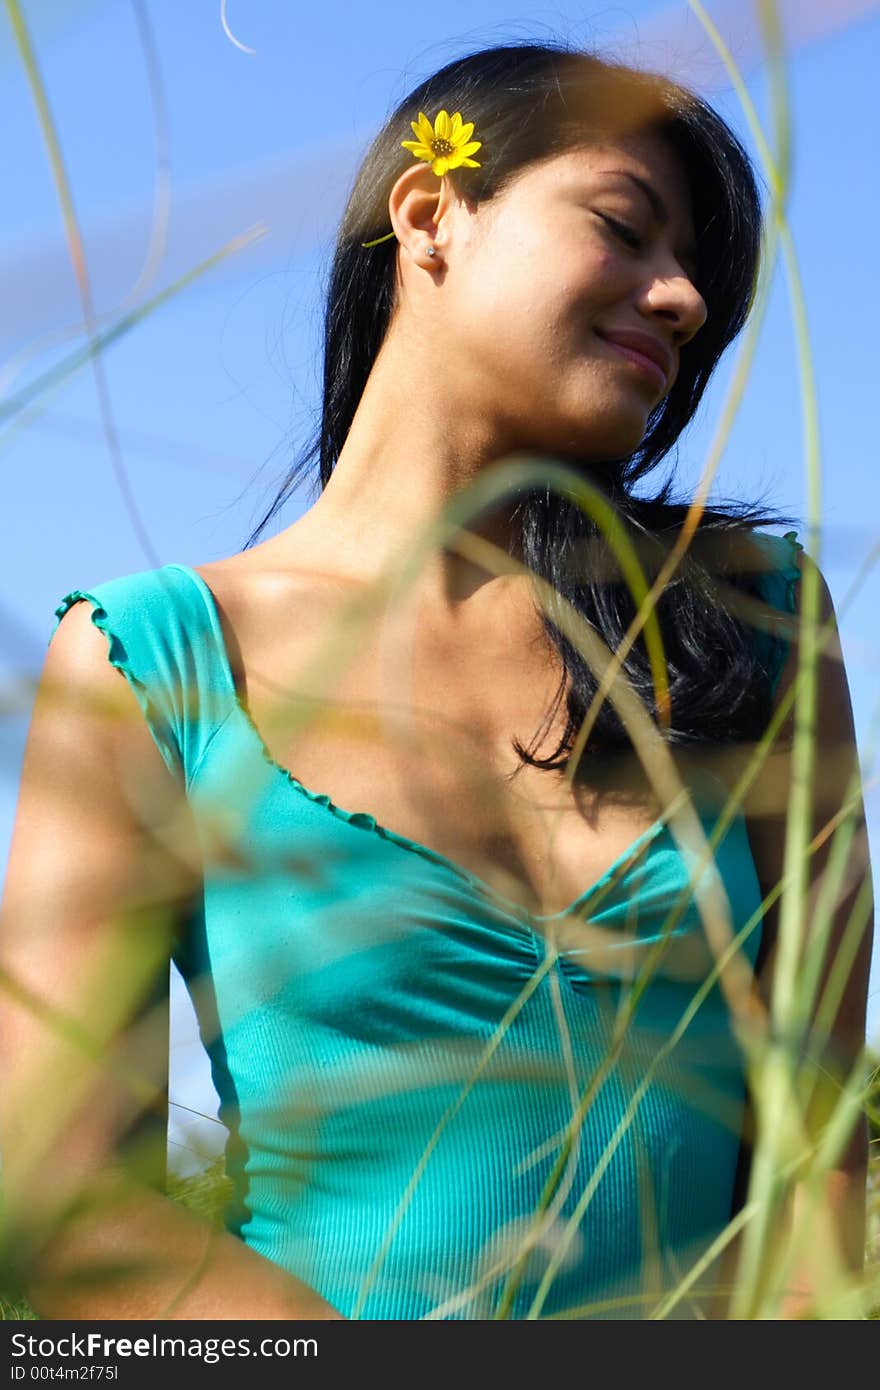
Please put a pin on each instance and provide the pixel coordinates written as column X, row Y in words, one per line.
column 504, row 314
column 587, row 290
column 603, row 280
column 516, row 311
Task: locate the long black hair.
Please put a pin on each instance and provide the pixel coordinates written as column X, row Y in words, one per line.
column 529, row 101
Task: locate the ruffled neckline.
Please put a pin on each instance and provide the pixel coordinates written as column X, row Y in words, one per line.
column 616, row 872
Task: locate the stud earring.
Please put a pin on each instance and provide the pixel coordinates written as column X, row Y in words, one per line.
column 432, row 251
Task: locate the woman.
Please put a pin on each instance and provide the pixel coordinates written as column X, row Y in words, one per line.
column 447, row 979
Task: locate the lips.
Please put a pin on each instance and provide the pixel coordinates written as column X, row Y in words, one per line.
column 644, row 346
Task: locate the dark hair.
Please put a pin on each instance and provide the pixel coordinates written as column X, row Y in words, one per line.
column 530, row 101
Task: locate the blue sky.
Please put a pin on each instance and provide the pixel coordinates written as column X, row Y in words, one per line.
column 212, row 394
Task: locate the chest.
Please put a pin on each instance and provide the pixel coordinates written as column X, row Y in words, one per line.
column 416, row 724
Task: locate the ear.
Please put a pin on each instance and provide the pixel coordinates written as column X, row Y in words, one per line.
column 419, row 207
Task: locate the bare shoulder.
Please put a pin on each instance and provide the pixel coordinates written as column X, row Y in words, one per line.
column 82, row 699
column 808, row 567
column 834, row 717
column 282, row 591
column 92, row 774
column 297, row 562
column 833, row 727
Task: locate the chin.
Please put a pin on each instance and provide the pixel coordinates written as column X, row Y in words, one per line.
column 594, row 431
column 618, row 440
column 605, row 424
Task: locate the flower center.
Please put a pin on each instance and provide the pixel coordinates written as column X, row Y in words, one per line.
column 442, row 147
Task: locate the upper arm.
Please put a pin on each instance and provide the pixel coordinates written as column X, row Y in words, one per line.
column 101, row 865
column 833, row 790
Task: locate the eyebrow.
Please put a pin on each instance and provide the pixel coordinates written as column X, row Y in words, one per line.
column 660, row 210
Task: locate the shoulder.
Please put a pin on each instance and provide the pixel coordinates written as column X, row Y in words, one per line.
column 135, row 653
column 88, row 711
column 144, row 616
column 829, row 716
column 808, row 568
column 835, row 792
column 812, row 602
column 275, row 592
column 833, row 721
column 77, row 648
column 297, row 561
column 87, row 650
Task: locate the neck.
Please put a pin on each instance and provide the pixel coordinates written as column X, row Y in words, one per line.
column 405, row 457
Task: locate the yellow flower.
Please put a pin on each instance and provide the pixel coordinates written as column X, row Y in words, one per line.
column 446, row 144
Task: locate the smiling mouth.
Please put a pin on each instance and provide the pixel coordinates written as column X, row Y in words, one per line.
column 646, row 365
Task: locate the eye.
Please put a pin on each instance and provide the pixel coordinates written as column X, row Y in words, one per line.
column 626, row 234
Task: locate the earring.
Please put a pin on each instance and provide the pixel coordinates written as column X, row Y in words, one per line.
column 431, row 251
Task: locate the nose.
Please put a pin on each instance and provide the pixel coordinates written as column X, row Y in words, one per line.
column 670, row 293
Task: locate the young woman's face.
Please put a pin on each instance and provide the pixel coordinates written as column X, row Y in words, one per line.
column 592, row 245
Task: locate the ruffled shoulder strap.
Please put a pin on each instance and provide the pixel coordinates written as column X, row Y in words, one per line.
column 778, row 588
column 164, row 638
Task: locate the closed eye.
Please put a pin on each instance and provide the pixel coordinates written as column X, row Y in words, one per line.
column 626, row 234
column 636, row 243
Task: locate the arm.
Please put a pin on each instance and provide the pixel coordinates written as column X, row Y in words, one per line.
column 841, row 1215
column 103, row 865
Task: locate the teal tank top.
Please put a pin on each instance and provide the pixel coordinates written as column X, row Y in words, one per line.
column 399, row 1049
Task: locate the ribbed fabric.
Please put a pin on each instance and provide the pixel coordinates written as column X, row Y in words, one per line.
column 399, row 1049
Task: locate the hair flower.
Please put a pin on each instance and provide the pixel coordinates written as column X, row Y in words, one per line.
column 444, row 145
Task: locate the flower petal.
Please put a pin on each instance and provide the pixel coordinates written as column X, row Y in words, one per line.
column 457, row 161
column 455, row 128
column 441, row 125
column 469, row 149
column 441, row 165
column 424, row 130
column 465, row 133
column 418, row 149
